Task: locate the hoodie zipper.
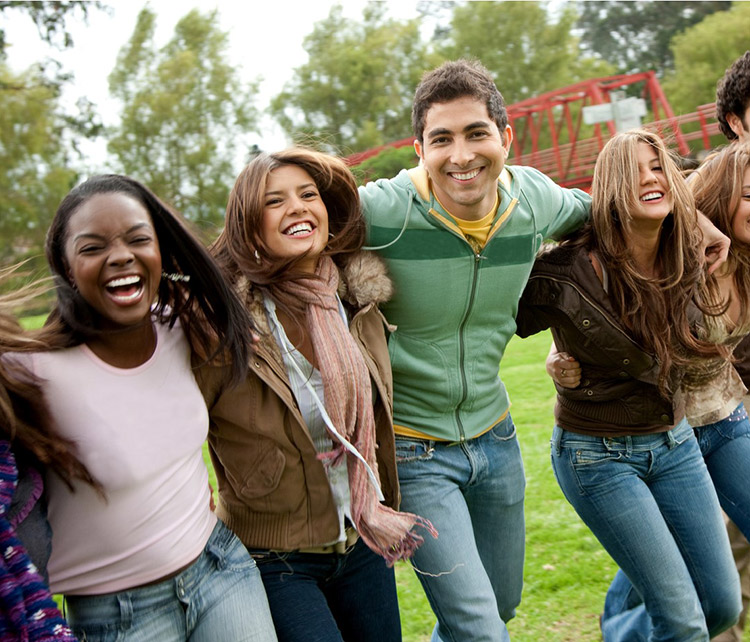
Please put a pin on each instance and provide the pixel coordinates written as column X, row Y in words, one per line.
column 462, row 346
column 470, row 306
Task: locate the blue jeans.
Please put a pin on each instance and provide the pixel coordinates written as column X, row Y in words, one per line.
column 220, row 596
column 473, row 493
column 330, row 597
column 726, row 450
column 650, row 502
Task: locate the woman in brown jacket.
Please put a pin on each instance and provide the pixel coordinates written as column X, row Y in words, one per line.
column 303, row 449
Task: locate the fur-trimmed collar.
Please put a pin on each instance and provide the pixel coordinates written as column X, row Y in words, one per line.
column 362, row 281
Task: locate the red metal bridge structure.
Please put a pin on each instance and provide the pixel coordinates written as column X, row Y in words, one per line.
column 550, row 133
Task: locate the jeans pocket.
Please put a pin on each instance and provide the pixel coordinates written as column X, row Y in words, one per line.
column 262, row 557
column 503, row 430
column 583, row 457
column 94, row 618
column 734, row 426
column 97, row 633
column 228, row 553
column 408, row 450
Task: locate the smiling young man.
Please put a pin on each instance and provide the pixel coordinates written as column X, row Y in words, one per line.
column 459, row 234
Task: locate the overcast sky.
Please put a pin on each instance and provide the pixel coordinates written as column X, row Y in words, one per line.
column 265, row 41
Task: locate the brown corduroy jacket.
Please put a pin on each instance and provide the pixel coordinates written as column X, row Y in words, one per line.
column 273, row 491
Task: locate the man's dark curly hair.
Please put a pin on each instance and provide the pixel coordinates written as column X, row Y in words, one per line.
column 453, row 80
column 733, row 94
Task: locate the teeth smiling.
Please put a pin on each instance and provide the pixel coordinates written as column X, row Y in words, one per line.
column 124, row 298
column 123, row 281
column 467, row 176
column 125, row 289
column 298, row 228
column 651, row 196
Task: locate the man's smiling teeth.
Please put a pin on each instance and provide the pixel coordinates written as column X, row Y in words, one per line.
column 651, row 196
column 298, row 228
column 467, row 176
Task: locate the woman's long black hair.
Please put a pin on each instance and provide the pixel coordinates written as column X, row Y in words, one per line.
column 214, row 319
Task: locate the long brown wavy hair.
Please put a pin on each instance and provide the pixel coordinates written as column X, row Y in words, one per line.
column 717, row 188
column 25, row 420
column 654, row 310
column 236, row 247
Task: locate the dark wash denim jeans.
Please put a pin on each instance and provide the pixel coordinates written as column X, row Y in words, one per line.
column 330, row 597
column 650, row 502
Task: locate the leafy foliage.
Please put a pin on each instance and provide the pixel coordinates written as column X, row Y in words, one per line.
column 636, row 35
column 386, row 164
column 521, row 44
column 183, row 110
column 355, row 90
column 50, row 18
column 698, row 68
column 34, row 174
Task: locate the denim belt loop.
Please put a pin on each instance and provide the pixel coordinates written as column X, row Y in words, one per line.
column 628, row 446
column 557, row 439
column 671, row 441
column 126, row 609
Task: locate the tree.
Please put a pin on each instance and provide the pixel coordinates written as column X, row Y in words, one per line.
column 355, row 90
column 50, row 19
column 521, row 44
column 386, row 164
column 34, row 173
column 635, row 35
column 183, row 106
column 698, row 67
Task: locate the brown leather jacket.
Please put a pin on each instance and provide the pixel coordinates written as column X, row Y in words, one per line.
column 618, row 394
column 273, row 491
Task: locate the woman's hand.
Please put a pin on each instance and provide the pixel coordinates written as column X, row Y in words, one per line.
column 563, row 368
column 715, row 244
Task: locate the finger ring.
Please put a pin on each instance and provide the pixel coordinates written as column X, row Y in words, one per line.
column 562, row 372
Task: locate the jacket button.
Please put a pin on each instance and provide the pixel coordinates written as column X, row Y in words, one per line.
column 623, row 374
column 590, row 393
column 256, row 364
column 587, row 382
column 625, row 361
column 665, row 418
column 586, row 323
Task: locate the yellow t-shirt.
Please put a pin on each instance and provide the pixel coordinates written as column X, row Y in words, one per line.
column 477, row 232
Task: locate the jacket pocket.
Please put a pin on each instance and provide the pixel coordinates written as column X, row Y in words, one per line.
column 254, row 477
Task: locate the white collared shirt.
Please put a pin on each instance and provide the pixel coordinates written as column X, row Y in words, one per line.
column 338, row 477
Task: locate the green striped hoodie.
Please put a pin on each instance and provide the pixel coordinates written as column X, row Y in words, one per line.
column 454, row 309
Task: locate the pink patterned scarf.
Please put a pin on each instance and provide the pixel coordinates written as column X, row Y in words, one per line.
column 348, row 402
